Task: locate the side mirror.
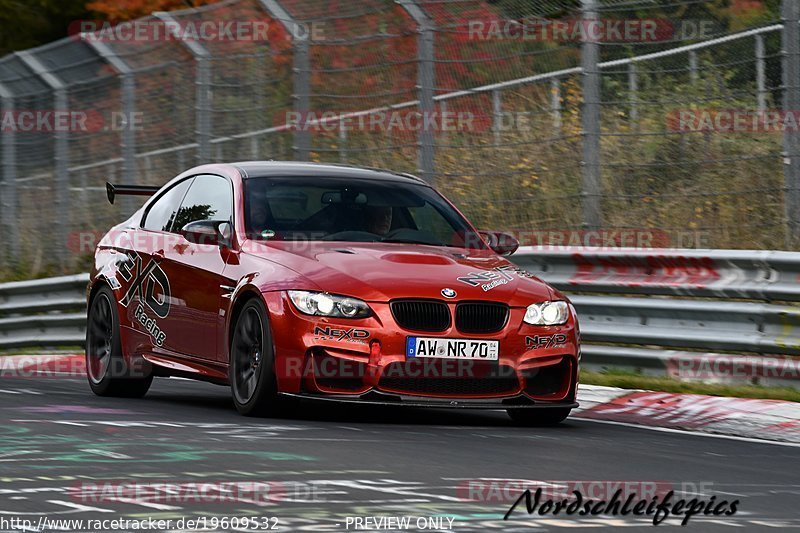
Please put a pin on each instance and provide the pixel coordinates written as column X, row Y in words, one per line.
column 501, row 243
column 210, row 232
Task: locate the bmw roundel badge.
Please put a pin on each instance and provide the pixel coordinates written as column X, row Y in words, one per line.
column 448, row 293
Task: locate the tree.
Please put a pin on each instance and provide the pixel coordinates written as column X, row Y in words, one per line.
column 27, row 23
column 121, row 10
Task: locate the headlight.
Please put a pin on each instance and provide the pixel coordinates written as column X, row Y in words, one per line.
column 324, row 304
column 547, row 313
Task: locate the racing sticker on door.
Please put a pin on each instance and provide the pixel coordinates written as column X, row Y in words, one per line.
column 149, row 289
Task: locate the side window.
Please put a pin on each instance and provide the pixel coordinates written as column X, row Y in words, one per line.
column 209, row 198
column 160, row 215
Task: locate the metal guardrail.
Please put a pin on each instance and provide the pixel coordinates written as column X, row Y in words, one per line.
column 735, row 274
column 681, row 312
column 657, row 311
column 43, row 313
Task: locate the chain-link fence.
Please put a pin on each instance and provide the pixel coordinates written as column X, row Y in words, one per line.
column 610, row 122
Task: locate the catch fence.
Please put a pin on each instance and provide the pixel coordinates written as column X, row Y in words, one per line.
column 551, row 118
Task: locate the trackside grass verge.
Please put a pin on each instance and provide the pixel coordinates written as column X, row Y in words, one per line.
column 42, row 351
column 626, row 380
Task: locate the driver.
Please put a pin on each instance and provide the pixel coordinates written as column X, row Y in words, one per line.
column 259, row 213
column 379, row 219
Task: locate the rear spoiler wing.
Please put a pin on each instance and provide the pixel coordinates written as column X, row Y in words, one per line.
column 130, row 190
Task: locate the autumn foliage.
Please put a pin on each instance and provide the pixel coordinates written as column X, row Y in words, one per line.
column 121, row 10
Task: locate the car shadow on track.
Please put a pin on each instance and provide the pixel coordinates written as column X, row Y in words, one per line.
column 211, row 399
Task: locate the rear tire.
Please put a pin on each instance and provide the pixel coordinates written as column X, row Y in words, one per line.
column 538, row 417
column 252, row 365
column 106, row 368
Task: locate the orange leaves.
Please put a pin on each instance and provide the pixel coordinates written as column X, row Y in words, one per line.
column 121, row 10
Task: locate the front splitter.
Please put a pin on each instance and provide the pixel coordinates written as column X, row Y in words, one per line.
column 379, row 398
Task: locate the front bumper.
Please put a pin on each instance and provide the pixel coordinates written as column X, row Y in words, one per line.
column 323, row 358
column 335, row 372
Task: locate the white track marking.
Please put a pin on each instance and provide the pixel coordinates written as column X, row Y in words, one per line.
column 687, row 432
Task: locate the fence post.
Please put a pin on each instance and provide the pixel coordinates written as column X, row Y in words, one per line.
column 301, row 73
column 633, row 92
column 302, row 94
column 497, row 115
column 761, row 96
column 254, row 151
column 590, row 124
column 61, row 216
column 8, row 192
column 693, row 74
column 342, row 142
column 443, row 135
column 128, row 86
column 555, row 102
column 790, row 13
column 203, row 103
column 426, row 76
column 129, row 133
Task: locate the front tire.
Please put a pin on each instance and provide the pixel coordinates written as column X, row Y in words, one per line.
column 252, row 365
column 538, row 417
column 106, row 368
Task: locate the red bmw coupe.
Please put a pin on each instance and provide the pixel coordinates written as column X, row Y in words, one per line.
column 325, row 282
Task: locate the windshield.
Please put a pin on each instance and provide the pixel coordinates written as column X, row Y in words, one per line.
column 353, row 210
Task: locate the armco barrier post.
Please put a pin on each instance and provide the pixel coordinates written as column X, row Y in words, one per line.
column 590, row 123
column 790, row 14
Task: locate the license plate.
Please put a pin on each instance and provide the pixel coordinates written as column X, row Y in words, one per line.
column 439, row 348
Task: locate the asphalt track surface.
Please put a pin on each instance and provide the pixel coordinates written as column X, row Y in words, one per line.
column 60, row 443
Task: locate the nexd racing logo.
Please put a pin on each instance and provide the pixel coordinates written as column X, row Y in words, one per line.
column 150, row 287
column 342, row 335
column 538, row 342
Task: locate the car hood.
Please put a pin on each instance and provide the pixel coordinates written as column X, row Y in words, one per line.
column 380, row 272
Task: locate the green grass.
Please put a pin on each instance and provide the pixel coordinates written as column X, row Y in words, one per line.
column 40, row 351
column 665, row 384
